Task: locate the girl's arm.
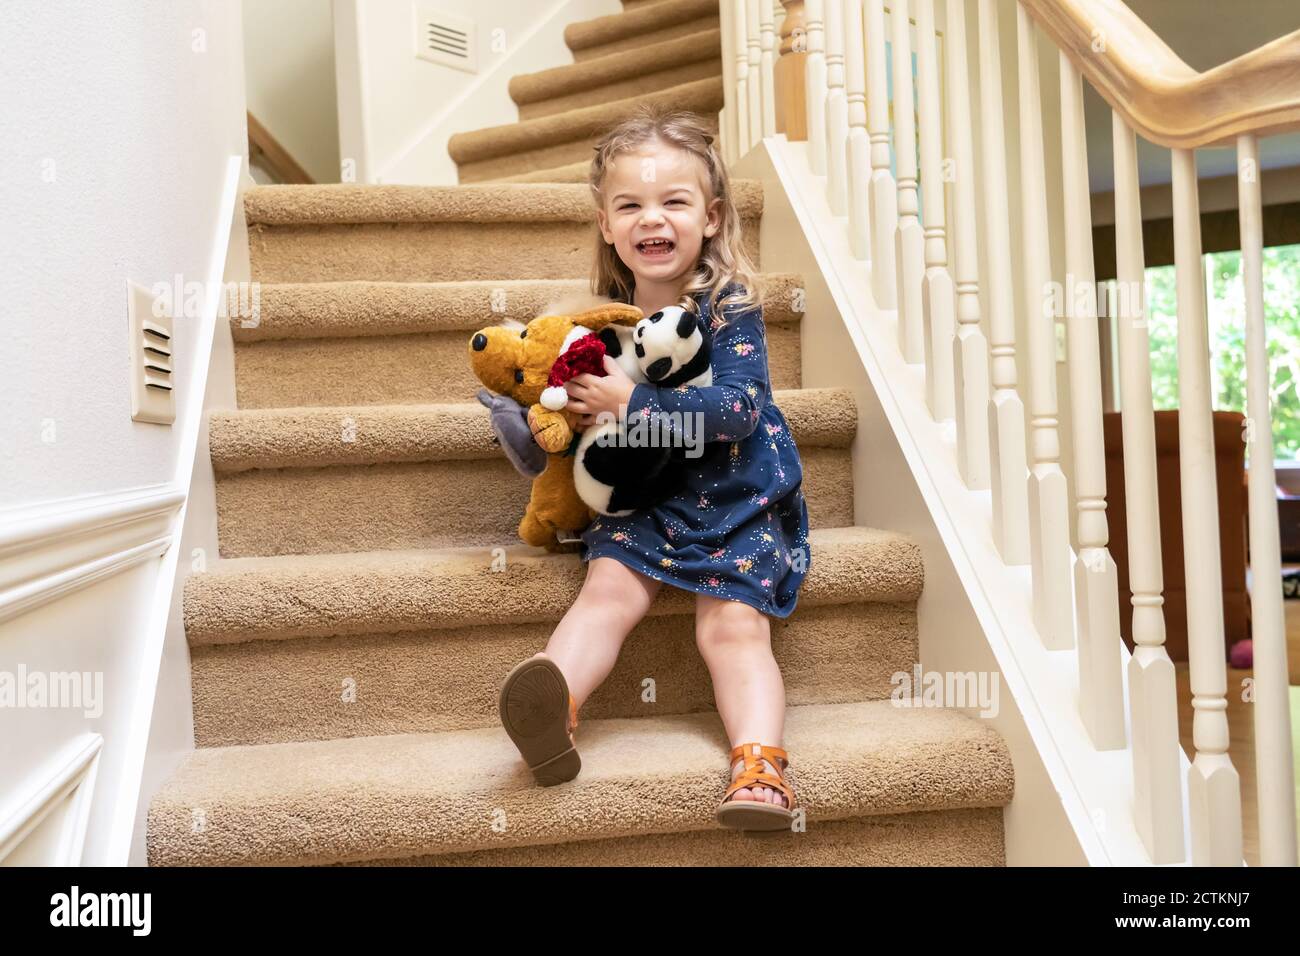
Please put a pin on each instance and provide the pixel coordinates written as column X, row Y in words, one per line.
column 728, row 408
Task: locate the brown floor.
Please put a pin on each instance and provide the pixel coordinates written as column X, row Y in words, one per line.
column 1241, row 729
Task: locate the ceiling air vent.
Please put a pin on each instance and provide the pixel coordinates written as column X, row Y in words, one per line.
column 445, row 38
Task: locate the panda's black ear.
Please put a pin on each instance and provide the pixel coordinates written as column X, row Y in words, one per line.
column 685, row 325
column 613, row 347
column 657, row 316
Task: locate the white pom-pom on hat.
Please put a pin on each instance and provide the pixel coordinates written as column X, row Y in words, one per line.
column 555, row 398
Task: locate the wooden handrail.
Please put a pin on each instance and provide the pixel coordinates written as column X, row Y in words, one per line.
column 1160, row 96
column 262, row 143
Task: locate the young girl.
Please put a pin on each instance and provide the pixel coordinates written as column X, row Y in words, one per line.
column 737, row 533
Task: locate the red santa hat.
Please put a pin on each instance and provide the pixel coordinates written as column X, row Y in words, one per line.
column 584, row 354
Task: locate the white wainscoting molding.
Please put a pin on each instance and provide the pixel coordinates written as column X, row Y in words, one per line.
column 47, row 827
column 51, row 549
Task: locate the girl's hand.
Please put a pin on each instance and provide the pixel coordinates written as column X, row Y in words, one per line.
column 590, row 395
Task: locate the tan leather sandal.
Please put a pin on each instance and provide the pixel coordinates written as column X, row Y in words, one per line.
column 540, row 715
column 757, row 815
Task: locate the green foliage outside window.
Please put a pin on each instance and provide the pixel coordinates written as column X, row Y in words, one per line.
column 1226, row 312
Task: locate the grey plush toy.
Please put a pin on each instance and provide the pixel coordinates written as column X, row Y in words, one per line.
column 510, row 425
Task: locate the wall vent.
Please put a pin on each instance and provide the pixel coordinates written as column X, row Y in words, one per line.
column 445, row 38
column 152, row 396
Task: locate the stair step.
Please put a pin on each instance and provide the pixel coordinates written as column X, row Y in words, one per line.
column 361, row 478
column 640, row 26
column 319, row 310
column 567, row 137
column 854, row 628
column 434, row 233
column 247, row 439
column 608, row 78
column 578, row 172
column 411, row 794
column 322, row 595
column 390, row 343
column 933, row 838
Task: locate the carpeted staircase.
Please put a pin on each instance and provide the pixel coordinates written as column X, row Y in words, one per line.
column 371, row 594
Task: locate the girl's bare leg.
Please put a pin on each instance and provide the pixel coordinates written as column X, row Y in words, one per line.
column 587, row 640
column 735, row 641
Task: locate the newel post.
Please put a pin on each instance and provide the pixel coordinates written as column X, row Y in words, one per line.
column 791, row 98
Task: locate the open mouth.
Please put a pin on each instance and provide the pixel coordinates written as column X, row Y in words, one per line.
column 653, row 248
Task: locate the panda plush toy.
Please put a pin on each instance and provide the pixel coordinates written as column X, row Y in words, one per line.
column 667, row 349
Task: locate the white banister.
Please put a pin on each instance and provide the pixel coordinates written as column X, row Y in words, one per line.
column 946, row 270
column 938, row 299
column 1153, row 703
column 858, row 146
column 970, row 348
column 1274, row 765
column 1096, row 579
column 909, row 241
column 884, row 194
column 767, row 65
column 741, row 105
column 837, row 110
column 1049, row 501
column 815, row 84
column 754, row 47
column 1006, row 411
column 1214, row 789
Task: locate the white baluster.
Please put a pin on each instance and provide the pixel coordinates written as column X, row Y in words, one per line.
column 1096, row 579
column 767, row 66
column 858, row 156
column 1214, row 789
column 1049, row 501
column 754, row 45
column 1275, row 770
column 909, row 240
column 970, row 348
column 884, row 193
column 1006, row 411
column 815, row 84
column 741, row 33
column 1153, row 706
column 837, row 110
column 938, row 300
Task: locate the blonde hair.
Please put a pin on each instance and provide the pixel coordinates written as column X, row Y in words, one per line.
column 723, row 260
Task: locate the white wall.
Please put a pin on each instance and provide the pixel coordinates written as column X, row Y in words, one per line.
column 289, row 76
column 118, row 118
column 396, row 112
column 123, row 124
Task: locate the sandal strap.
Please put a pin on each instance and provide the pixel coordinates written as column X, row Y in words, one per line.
column 755, row 774
column 773, row 754
column 573, row 714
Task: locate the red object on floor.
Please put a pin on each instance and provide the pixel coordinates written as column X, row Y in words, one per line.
column 1242, row 655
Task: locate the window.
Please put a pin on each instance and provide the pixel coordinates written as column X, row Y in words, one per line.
column 1226, row 314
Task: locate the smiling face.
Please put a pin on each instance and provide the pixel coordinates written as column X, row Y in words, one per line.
column 656, row 211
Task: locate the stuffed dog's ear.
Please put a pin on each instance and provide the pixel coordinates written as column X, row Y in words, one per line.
column 614, row 313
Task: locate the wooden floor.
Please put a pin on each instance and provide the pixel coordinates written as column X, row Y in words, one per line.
column 1241, row 729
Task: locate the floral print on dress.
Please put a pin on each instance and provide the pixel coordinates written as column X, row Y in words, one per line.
column 741, row 514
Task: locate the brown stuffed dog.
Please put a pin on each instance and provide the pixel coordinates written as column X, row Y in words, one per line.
column 517, row 362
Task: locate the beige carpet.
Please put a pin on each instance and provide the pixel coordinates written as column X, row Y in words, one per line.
column 371, row 593
column 411, row 794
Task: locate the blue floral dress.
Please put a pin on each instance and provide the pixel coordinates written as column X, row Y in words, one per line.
column 738, row 529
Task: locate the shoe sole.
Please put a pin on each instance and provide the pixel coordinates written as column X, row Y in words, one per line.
column 750, row 816
column 534, row 708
